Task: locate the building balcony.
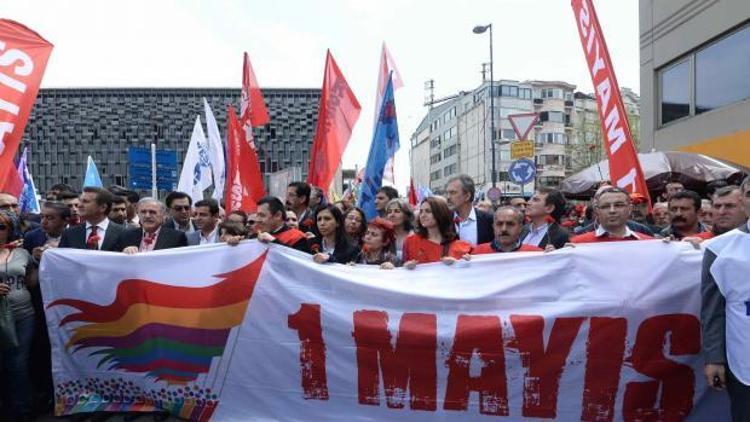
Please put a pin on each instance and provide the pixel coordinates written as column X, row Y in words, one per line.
column 538, row 101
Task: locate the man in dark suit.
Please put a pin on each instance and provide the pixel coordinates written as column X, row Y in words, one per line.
column 96, row 232
column 152, row 235
column 55, row 218
column 544, row 210
column 472, row 225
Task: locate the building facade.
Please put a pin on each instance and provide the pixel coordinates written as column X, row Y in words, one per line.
column 453, row 137
column 67, row 125
column 694, row 77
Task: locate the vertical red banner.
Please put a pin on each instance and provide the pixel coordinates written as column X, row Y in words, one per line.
column 23, row 58
column 244, row 185
column 338, row 112
column 624, row 168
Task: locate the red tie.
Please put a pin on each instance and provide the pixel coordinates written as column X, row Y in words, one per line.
column 148, row 239
column 92, row 242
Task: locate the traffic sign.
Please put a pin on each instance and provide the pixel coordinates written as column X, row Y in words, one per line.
column 522, row 171
column 522, row 123
column 139, row 168
column 494, row 194
column 521, row 149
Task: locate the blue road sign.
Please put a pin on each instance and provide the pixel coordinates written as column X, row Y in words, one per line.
column 139, row 168
column 522, row 171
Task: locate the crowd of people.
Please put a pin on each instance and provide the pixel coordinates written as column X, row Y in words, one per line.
column 439, row 229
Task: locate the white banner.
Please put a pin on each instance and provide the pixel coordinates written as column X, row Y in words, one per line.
column 596, row 332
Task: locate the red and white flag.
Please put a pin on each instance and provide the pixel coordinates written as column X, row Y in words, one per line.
column 337, row 114
column 387, row 65
column 244, row 185
column 253, row 112
column 23, row 58
column 624, row 166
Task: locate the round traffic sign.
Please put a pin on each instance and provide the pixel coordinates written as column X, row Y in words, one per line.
column 522, row 171
column 494, row 194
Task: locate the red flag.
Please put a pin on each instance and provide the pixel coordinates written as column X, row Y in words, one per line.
column 14, row 183
column 412, row 194
column 23, row 58
column 253, row 112
column 244, row 185
column 337, row 113
column 624, row 167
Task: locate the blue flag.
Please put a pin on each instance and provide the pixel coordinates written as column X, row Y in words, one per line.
column 384, row 146
column 92, row 175
column 27, row 201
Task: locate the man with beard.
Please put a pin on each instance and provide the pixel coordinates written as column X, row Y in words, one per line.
column 613, row 208
column 507, row 227
column 683, row 213
column 298, row 200
column 151, row 235
column 119, row 212
column 207, row 219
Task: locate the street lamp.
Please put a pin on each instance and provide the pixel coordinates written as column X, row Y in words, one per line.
column 479, row 29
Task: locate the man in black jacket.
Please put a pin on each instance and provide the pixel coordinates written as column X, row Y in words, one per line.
column 152, row 235
column 96, row 231
column 544, row 210
column 472, row 225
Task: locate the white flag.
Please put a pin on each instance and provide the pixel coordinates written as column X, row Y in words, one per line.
column 196, row 168
column 215, row 152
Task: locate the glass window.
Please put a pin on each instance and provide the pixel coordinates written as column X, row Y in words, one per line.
column 508, row 134
column 675, row 91
column 555, row 116
column 722, row 72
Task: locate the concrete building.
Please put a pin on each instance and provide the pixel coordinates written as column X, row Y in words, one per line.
column 453, row 137
column 695, row 84
column 66, row 125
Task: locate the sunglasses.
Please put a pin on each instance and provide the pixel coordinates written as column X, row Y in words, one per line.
column 181, row 207
column 8, row 206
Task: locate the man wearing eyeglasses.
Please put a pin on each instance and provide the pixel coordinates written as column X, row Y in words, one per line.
column 179, row 205
column 613, row 208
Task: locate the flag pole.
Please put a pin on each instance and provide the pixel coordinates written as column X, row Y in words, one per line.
column 154, row 191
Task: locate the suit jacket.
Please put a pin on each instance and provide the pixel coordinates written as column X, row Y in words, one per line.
column 556, row 236
column 485, row 233
column 75, row 237
column 169, row 222
column 167, row 239
column 34, row 239
column 194, row 238
column 344, row 252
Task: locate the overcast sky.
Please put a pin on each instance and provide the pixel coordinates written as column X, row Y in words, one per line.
column 171, row 43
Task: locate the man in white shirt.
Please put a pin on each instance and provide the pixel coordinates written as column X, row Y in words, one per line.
column 472, row 225
column 206, row 219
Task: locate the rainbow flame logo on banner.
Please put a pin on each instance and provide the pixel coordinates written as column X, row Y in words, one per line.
column 170, row 333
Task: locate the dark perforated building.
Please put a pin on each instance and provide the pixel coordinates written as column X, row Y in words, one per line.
column 67, row 125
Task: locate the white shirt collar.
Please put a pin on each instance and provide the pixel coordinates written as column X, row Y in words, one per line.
column 211, row 236
column 600, row 231
column 472, row 215
column 102, row 225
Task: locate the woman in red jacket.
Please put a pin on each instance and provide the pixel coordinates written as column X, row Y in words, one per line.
column 435, row 237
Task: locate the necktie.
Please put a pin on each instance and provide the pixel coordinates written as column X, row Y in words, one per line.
column 92, row 242
column 148, row 239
